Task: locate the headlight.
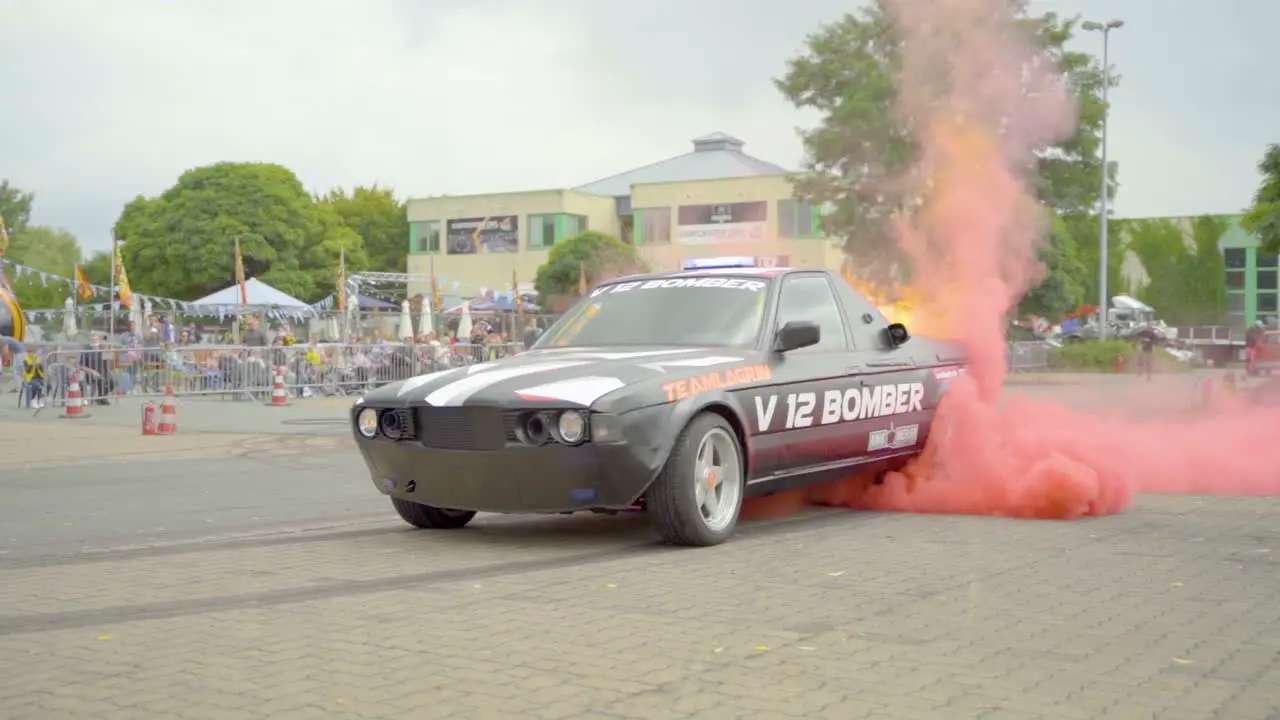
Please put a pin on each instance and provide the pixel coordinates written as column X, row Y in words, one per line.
column 367, row 422
column 572, row 426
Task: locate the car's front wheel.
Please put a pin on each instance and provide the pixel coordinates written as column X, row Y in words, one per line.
column 697, row 498
column 429, row 517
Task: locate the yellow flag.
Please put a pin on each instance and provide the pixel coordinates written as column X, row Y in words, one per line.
column 122, row 282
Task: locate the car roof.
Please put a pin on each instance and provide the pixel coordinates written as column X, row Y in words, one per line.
column 706, row 272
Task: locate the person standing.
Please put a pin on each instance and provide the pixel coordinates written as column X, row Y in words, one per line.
column 1252, row 339
column 1146, row 354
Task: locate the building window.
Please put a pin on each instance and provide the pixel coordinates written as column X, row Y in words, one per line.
column 1235, row 279
column 1268, row 260
column 424, row 237
column 1235, row 302
column 795, row 219
column 1236, row 321
column 547, row 230
column 1234, row 257
column 653, row 226
column 1266, row 279
column 1266, row 302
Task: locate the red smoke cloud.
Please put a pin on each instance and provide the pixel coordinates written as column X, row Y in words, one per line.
column 982, row 99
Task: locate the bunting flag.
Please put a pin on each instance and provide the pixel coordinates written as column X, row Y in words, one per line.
column 515, row 288
column 342, row 279
column 122, row 282
column 84, row 288
column 582, row 278
column 240, row 281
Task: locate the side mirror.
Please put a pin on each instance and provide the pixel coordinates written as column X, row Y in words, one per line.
column 795, row 335
column 531, row 336
column 897, row 334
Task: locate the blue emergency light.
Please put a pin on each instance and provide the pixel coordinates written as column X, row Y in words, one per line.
column 711, row 263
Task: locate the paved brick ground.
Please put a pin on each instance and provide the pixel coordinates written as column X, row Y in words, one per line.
column 1169, row 612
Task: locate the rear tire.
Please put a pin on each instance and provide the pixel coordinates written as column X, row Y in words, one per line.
column 428, row 517
column 697, row 498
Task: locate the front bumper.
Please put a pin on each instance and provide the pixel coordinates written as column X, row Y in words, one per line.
column 519, row 478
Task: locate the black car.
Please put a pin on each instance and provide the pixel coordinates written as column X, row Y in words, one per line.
column 679, row 393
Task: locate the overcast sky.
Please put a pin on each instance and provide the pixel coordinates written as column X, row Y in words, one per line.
column 101, row 101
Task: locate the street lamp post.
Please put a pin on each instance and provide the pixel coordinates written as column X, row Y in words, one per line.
column 1105, row 29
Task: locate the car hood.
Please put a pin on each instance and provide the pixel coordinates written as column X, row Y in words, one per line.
column 577, row 377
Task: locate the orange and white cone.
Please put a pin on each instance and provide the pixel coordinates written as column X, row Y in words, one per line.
column 75, row 400
column 168, row 413
column 279, row 398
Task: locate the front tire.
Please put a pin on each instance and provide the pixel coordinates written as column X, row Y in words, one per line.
column 697, row 498
column 429, row 517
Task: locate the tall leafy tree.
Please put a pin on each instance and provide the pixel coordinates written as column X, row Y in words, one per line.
column 600, row 256
column 45, row 248
column 861, row 147
column 1187, row 284
column 379, row 219
column 181, row 244
column 15, row 208
column 1062, row 288
column 1263, row 219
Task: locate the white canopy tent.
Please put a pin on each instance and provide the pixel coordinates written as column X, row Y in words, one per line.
column 259, row 295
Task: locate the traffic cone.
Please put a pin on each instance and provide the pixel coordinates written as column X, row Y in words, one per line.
column 279, row 398
column 75, row 400
column 168, row 413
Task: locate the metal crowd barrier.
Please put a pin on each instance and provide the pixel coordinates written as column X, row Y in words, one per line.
column 249, row 373
column 1028, row 356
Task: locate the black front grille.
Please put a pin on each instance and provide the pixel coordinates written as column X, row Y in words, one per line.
column 461, row 428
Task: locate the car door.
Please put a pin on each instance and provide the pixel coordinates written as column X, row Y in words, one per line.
column 792, row 427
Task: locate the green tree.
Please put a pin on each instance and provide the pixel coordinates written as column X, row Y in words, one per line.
column 98, row 268
column 1161, row 247
column 379, row 219
column 182, row 243
column 861, row 147
column 1263, row 219
column 1187, row 283
column 1086, row 231
column 44, row 248
column 1208, row 281
column 36, row 293
column 1062, row 289
column 602, row 256
column 15, row 209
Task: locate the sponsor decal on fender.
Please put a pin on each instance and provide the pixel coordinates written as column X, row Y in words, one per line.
column 732, row 377
column 945, row 374
column 857, row 403
column 893, row 438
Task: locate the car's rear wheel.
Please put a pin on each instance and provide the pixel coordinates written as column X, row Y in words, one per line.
column 431, row 518
column 698, row 497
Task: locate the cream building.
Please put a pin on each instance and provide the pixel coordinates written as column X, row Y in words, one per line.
column 714, row 200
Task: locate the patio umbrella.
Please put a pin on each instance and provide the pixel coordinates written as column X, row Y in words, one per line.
column 406, row 321
column 426, row 323
column 464, row 325
column 69, row 319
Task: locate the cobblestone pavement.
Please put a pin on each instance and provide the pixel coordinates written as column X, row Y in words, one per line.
column 1168, row 612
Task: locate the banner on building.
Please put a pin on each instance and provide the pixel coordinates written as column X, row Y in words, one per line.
column 728, row 223
column 492, row 234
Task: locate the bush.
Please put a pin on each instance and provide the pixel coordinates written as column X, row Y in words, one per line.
column 1091, row 356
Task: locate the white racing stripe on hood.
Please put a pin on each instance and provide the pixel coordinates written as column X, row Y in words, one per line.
column 456, row 393
column 580, row 391
column 418, row 381
column 662, row 365
column 570, row 353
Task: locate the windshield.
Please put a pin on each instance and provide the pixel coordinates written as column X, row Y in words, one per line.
column 699, row 311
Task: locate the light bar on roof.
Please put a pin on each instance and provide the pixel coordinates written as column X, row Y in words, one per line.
column 710, row 263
